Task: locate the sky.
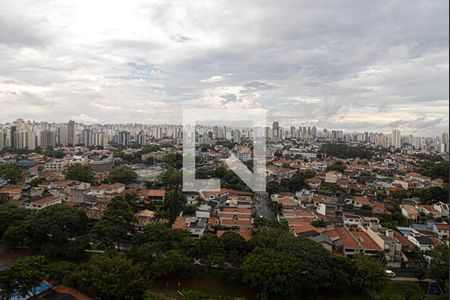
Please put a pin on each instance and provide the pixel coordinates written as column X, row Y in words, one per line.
column 350, row 65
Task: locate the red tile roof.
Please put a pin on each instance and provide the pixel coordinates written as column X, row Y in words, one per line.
column 304, row 228
column 156, row 193
column 236, row 222
column 365, row 241
column 236, row 210
column 347, row 240
column 46, row 200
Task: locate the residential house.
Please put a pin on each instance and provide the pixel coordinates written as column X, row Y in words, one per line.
column 441, row 230
column 409, row 211
column 442, row 208
column 332, row 176
column 428, row 210
column 11, row 192
column 361, row 202
column 43, row 203
column 145, row 217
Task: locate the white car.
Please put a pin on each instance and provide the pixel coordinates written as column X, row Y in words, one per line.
column 389, row 273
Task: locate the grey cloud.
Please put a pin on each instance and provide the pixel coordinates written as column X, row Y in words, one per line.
column 347, row 64
column 259, row 85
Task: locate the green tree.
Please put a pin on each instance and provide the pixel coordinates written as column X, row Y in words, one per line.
column 235, row 247
column 369, row 273
column 174, row 203
column 16, row 235
column 36, row 181
column 211, row 250
column 80, row 172
column 77, row 246
column 54, row 153
column 111, row 278
column 439, row 265
column 28, row 272
column 170, row 262
column 61, row 271
column 271, row 272
column 346, row 151
column 309, row 174
column 157, row 239
column 56, row 224
column 273, row 187
column 434, row 194
column 420, row 273
column 7, row 285
column 10, row 172
column 171, row 178
column 11, row 215
column 338, row 166
column 117, row 224
column 122, row 174
column 400, row 194
column 435, row 169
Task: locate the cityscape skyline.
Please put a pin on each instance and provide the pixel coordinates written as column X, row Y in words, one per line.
column 32, row 135
column 279, row 125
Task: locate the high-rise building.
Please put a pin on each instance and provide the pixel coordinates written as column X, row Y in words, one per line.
column 12, row 133
column 87, row 138
column 444, row 143
column 2, row 139
column 314, row 131
column 47, row 139
column 275, row 125
column 71, row 133
column 396, row 138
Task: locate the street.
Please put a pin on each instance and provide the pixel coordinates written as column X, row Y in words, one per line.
column 263, row 206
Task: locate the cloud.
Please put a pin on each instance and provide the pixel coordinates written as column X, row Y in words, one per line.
column 212, row 79
column 348, row 65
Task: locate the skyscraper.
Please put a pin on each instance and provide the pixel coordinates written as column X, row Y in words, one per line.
column 314, row 131
column 275, row 125
column 444, row 143
column 87, row 138
column 71, row 133
column 396, row 138
column 47, row 139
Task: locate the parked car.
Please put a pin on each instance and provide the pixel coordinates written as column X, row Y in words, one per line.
column 389, row 273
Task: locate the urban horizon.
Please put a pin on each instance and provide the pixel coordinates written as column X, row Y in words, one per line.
column 285, row 128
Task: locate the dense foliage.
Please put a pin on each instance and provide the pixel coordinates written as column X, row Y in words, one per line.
column 435, row 169
column 346, row 151
column 122, row 174
column 80, row 172
column 10, row 172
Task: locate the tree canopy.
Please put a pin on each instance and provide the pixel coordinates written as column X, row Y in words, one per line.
column 110, row 278
column 345, row 151
column 80, row 172
column 10, row 172
column 122, row 174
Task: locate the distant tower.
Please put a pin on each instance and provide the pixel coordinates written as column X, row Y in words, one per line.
column 71, row 133
column 314, row 131
column 396, row 138
column 275, row 125
column 444, row 143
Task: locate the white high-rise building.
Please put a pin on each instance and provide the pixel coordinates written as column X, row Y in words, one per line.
column 396, row 138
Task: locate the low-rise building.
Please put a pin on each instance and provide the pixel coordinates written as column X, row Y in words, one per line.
column 43, row 203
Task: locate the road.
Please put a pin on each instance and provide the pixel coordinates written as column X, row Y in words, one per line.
column 404, row 273
column 263, row 206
